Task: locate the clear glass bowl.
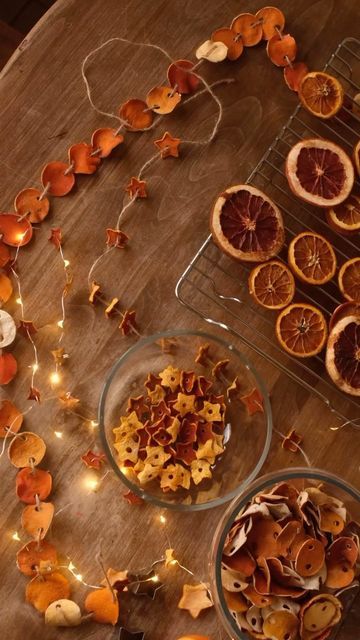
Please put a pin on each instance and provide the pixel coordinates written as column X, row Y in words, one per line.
column 299, row 477
column 249, row 437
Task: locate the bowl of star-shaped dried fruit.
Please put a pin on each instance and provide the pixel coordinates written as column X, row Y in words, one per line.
column 285, row 559
column 185, row 420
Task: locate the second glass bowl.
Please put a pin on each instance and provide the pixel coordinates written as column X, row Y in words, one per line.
column 248, row 437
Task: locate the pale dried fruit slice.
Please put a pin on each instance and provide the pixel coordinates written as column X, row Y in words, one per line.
column 312, row 258
column 342, row 311
column 319, row 172
column 231, row 40
column 212, row 51
column 343, row 355
column 349, row 280
column 345, row 217
column 321, row 94
column 246, row 224
column 301, row 330
column 272, row 285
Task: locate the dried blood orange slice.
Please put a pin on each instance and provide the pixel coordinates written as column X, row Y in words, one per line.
column 281, row 49
column 343, row 355
column 343, row 311
column 246, row 224
column 272, row 21
column 345, row 217
column 180, row 78
column 28, row 203
column 248, row 27
column 272, row 285
column 357, row 157
column 301, row 330
column 232, row 40
column 312, row 258
column 321, row 94
column 349, row 279
column 319, row 172
column 294, row 74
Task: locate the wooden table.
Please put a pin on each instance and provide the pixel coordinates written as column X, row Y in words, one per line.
column 44, row 110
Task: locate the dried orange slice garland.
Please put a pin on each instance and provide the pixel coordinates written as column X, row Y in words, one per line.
column 288, row 561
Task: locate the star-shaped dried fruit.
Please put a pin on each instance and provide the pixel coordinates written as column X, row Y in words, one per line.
column 291, row 441
column 169, row 146
column 170, row 377
column 111, row 308
column 27, row 328
column 34, row 394
column 59, row 356
column 151, row 382
column 56, row 237
column 132, row 498
column 187, row 381
column 157, row 394
column 233, row 389
column 219, row 368
column 202, row 356
column 195, row 598
column 205, row 432
column 211, row 412
column 128, row 323
column 116, row 238
column 253, row 402
column 128, row 449
column 94, row 292
column 156, row 456
column 158, row 411
column 167, row 345
column 174, row 428
column 68, row 401
column 136, row 188
column 185, row 453
column 185, row 404
column 201, row 386
column 93, row 460
column 140, row 405
column 200, row 469
column 188, row 431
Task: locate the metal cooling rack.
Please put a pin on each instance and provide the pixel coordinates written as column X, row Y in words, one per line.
column 215, row 287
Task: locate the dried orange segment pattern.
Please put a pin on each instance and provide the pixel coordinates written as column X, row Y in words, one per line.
column 321, row 94
column 14, row 231
column 345, row 217
column 281, row 50
column 312, row 258
column 272, row 21
column 11, row 418
column 136, row 114
column 180, row 76
column 249, row 28
column 8, row 368
column 301, row 330
column 36, row 519
column 105, row 140
column 231, row 39
column 6, row 288
column 81, row 158
column 342, row 354
column 27, row 203
column 25, row 449
column 104, row 606
column 44, row 590
column 31, row 483
column 293, row 75
column 28, row 558
column 349, row 280
column 57, row 178
column 272, row 285
column 163, row 100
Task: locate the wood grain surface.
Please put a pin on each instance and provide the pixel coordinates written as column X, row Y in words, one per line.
column 44, row 109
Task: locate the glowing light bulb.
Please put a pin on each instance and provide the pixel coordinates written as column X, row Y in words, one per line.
column 55, row 378
column 20, row 236
column 155, row 578
column 60, row 324
column 162, row 519
column 58, row 434
column 78, row 577
column 66, row 263
column 71, row 566
column 15, row 536
column 91, row 483
column 93, row 423
column 173, row 562
column 19, row 301
column 35, row 367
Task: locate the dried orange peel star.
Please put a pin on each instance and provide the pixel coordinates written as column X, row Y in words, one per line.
column 195, row 599
column 169, row 146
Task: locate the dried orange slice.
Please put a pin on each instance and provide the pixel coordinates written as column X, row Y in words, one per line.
column 58, row 178
column 180, row 77
column 36, row 519
column 272, row 285
column 349, row 279
column 44, row 590
column 6, row 288
column 232, row 40
column 28, row 557
column 136, row 114
column 319, row 172
column 343, row 355
column 312, row 258
column 294, row 74
column 8, row 368
column 345, row 217
column 106, row 140
column 343, row 311
column 14, row 231
column 357, row 157
column 26, row 448
column 272, row 21
column 10, row 418
column 27, row 203
column 301, row 330
column 81, row 158
column 249, row 28
column 31, row 483
column 246, row 224
column 162, row 100
column 281, row 50
column 321, row 94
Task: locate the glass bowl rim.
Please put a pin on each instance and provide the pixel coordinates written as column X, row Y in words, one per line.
column 224, row 525
column 146, row 340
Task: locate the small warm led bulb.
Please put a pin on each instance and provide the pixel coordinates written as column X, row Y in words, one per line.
column 155, row 578
column 91, row 483
column 35, row 367
column 66, row 263
column 60, row 324
column 78, row 577
column 55, row 378
column 58, row 434
column 19, row 301
column 162, row 519
column 93, row 423
column 15, row 536
column 71, row 566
